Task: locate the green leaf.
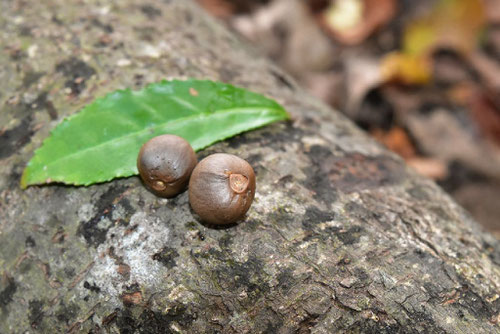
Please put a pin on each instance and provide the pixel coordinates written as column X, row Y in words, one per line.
column 102, row 141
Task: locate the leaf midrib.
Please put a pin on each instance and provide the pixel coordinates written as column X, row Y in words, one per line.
column 137, row 133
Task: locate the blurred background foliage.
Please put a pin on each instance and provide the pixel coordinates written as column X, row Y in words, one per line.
column 422, row 77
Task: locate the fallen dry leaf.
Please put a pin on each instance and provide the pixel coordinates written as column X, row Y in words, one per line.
column 487, row 116
column 397, row 140
column 429, row 167
column 453, row 24
column 492, row 10
column 441, row 134
column 352, row 21
column 289, row 33
column 362, row 74
column 488, row 70
column 484, row 108
column 406, row 68
column 220, row 8
column 226, row 8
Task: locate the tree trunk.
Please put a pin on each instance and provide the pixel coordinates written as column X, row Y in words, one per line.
column 342, row 236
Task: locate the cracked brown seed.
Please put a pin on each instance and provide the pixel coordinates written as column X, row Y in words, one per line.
column 222, row 188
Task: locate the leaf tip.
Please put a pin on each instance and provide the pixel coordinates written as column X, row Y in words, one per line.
column 24, row 182
column 287, row 114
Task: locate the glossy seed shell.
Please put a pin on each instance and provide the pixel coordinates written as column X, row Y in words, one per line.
column 165, row 164
column 222, row 188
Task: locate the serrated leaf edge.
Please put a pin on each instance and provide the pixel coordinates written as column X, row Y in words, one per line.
column 24, row 184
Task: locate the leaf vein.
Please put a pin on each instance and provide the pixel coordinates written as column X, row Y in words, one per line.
column 155, row 127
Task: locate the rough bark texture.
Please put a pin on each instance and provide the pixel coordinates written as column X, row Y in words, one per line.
column 342, row 236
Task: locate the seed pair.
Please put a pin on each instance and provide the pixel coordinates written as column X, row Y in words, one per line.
column 221, row 186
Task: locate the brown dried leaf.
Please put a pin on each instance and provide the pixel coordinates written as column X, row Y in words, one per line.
column 430, row 167
column 492, row 10
column 406, row 68
column 487, row 116
column 352, row 21
column 397, row 140
column 220, row 8
column 440, row 134
column 454, row 24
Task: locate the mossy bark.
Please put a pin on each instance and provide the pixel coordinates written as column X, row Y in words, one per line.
column 342, row 236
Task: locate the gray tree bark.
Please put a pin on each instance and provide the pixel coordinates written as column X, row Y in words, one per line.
column 342, row 236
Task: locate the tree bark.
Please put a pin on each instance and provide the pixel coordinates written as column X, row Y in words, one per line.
column 342, row 236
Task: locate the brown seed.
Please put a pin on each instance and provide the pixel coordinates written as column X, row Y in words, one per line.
column 165, row 164
column 222, row 188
